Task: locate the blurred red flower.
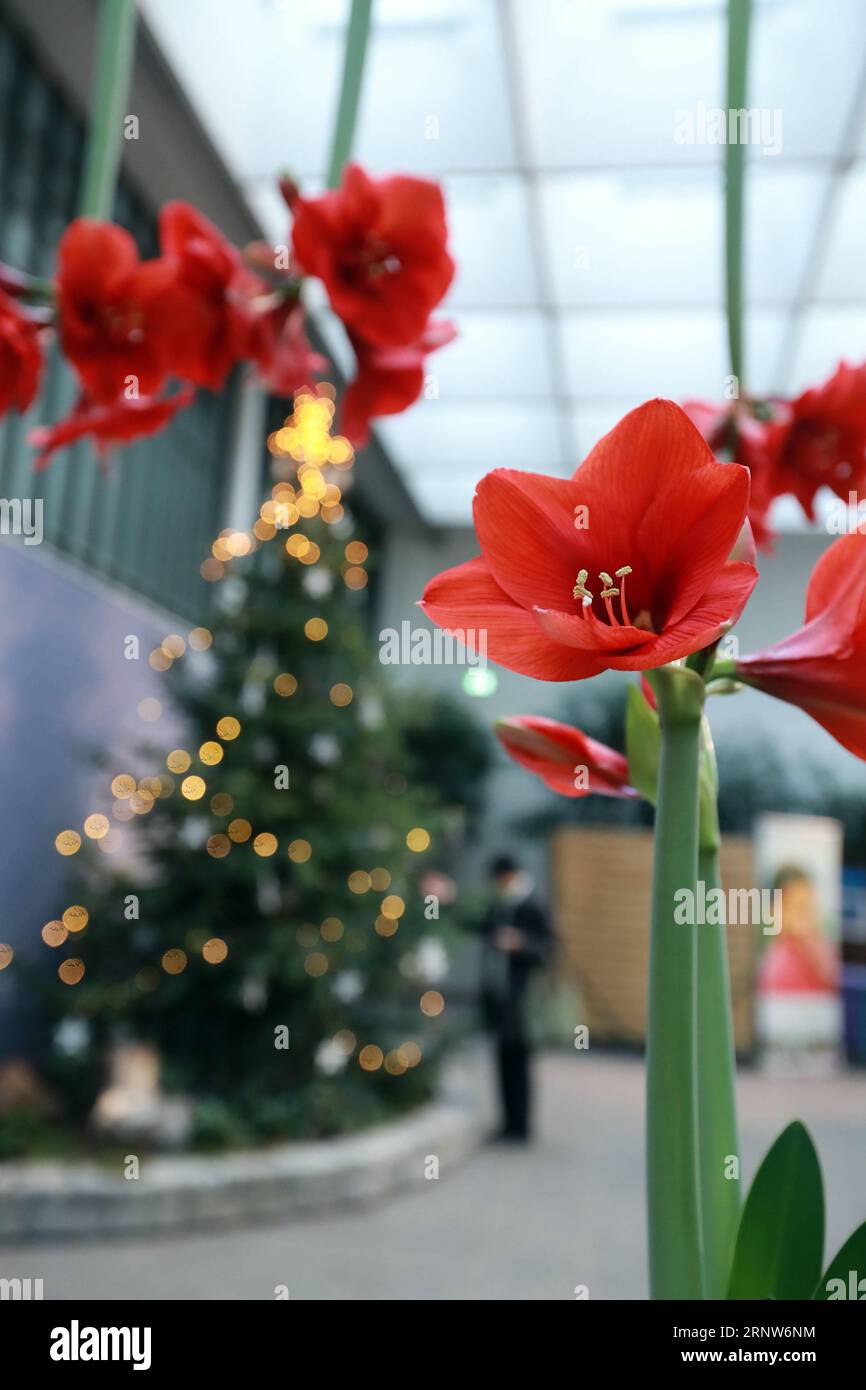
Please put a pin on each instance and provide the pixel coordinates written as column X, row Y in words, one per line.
column 123, row 321
column 819, row 440
column 108, row 424
column 380, row 247
column 279, row 346
column 221, row 290
column 641, row 558
column 20, row 356
column 733, row 430
column 822, row 666
column 388, row 380
column 566, row 759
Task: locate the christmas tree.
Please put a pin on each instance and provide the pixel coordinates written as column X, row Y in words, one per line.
column 272, row 940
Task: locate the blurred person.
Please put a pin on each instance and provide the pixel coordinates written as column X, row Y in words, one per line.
column 516, row 942
column 799, row 1009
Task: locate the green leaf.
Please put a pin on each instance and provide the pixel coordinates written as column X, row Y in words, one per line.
column 643, row 743
column 780, row 1243
column 851, row 1257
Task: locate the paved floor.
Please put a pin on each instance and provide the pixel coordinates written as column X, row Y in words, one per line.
column 508, row 1224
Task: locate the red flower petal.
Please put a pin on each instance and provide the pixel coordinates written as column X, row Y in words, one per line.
column 468, row 599
column 558, row 753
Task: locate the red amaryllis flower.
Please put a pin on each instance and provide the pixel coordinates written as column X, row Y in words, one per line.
column 639, row 559
column 388, row 380
column 20, row 356
column 566, row 760
column 108, row 424
column 732, row 431
column 819, row 439
column 279, row 346
column 120, row 317
column 822, row 666
column 379, row 246
column 220, row 302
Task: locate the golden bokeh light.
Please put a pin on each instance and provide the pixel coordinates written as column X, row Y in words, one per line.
column 265, row 844
column 178, row 760
column 371, row 1057
column 411, row 1053
column 431, row 1003
column 200, row 639
column 395, row 1064
column 341, row 695
column 240, row 831
column 218, row 846
column 418, row 839
column 297, row 545
column 173, row 645
column 300, row 851
column 355, row 577
column 222, row 804
column 215, row 950
column 159, row 660
column 123, row 786
column 331, row 929
column 385, row 926
column 359, row 881
column 380, row 879
column 97, row 826
column 211, row 570
column 316, row 964
column 68, row 842
column 285, row 684
column 393, row 906
column 54, row 933
column 174, row 961
column 211, row 753
column 228, row 728
column 71, row 970
column 315, row 629
column 76, row 917
column 193, row 788
column 356, row 552
column 6, row 954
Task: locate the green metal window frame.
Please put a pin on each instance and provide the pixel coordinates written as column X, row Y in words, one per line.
column 149, row 520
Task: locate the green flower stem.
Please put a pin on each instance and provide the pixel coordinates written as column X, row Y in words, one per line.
column 350, row 88
column 717, row 1106
column 114, row 54
column 739, row 13
column 673, row 1200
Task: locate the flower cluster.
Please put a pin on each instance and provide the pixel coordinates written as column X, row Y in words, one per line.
column 643, row 558
column 143, row 335
column 793, row 446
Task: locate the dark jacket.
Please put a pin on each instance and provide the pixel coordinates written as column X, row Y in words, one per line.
column 505, row 974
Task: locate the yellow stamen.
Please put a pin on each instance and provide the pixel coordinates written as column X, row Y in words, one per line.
column 605, row 579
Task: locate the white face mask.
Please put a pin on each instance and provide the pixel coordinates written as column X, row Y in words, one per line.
column 518, row 887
